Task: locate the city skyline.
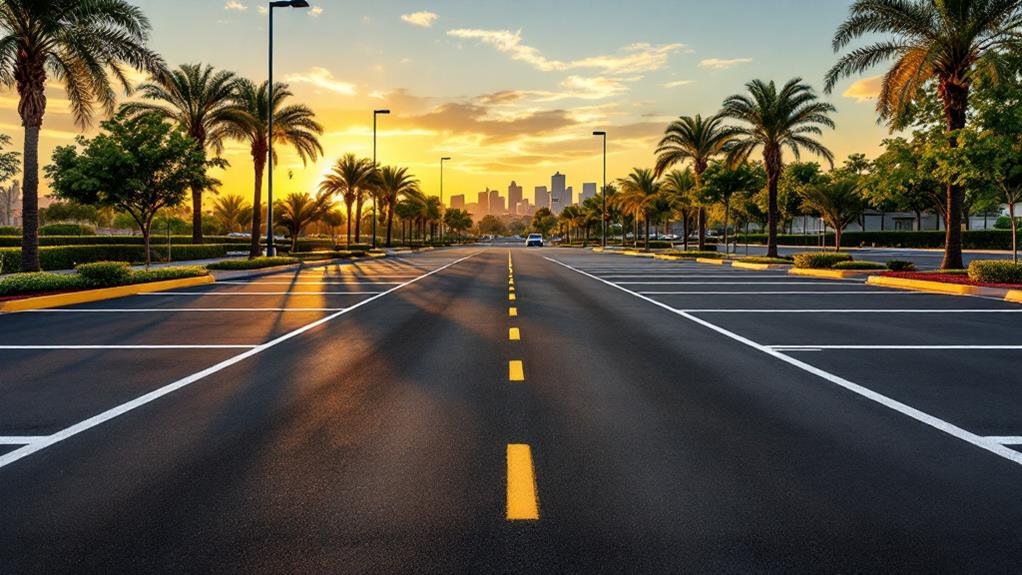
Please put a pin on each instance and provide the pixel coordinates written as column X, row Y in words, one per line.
column 515, row 199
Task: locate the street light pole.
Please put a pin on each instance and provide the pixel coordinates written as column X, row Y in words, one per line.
column 443, row 210
column 269, row 121
column 604, row 134
column 375, row 169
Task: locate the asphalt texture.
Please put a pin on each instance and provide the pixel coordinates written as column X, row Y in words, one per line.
column 356, row 419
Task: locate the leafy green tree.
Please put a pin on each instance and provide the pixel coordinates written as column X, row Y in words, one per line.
column 836, row 198
column 640, row 191
column 543, row 221
column 900, row 179
column 394, row 183
column 198, row 98
column 293, row 125
column 950, row 43
column 137, row 165
column 722, row 182
column 789, row 199
column 297, row 211
column 775, row 120
column 491, row 225
column 699, row 140
column 457, row 220
column 349, row 177
column 68, row 212
column 81, row 44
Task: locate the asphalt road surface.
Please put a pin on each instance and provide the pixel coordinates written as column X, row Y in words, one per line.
column 497, row 409
column 924, row 259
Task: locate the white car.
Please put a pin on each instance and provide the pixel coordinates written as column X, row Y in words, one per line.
column 534, row 240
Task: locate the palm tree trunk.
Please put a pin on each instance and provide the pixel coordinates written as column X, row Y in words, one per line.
column 196, row 215
column 390, row 222
column 727, row 215
column 259, row 161
column 772, row 162
column 347, row 242
column 30, row 201
column 358, row 220
column 956, row 101
column 701, row 222
column 645, row 241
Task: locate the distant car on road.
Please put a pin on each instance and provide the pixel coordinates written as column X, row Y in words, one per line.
column 534, row 240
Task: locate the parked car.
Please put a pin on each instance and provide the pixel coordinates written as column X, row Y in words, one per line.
column 534, row 240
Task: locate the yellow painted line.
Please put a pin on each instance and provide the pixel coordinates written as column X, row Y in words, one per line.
column 760, row 267
column 512, row 312
column 511, row 289
column 515, row 371
column 1014, row 296
column 828, row 274
column 511, row 297
column 514, row 334
column 522, row 497
column 712, row 261
column 86, row 296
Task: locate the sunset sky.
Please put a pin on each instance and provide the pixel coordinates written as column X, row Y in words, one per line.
column 510, row 90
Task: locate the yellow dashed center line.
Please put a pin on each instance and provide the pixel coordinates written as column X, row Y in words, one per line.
column 515, row 371
column 522, row 497
column 511, row 297
column 512, row 312
column 514, row 334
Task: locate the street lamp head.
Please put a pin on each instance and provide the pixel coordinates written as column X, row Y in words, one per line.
column 289, row 4
column 445, row 158
column 381, row 111
column 599, row 133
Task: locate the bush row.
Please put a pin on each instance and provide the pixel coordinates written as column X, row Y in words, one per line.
column 973, row 239
column 67, row 230
column 253, row 264
column 15, row 241
column 91, row 276
column 67, row 257
column 819, row 260
column 693, row 254
column 11, row 231
column 995, row 271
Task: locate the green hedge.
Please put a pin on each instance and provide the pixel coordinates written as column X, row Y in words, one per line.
column 90, row 276
column 67, row 257
column 974, row 239
column 819, row 260
column 15, row 241
column 11, row 231
column 901, row 266
column 67, row 230
column 995, row 271
column 253, row 264
column 859, row 265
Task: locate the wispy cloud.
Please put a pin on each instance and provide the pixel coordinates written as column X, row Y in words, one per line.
column 639, row 57
column 722, row 63
column 865, row 89
column 315, row 11
column 678, row 83
column 263, row 9
column 322, row 78
column 422, row 18
column 235, row 5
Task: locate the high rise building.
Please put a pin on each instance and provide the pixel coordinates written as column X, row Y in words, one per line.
column 523, row 208
column 496, row 203
column 514, row 195
column 542, row 197
column 557, row 193
column 569, row 196
column 458, row 202
column 484, row 202
column 588, row 191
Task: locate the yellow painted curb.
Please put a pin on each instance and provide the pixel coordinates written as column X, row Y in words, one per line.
column 829, row 274
column 925, row 285
column 598, row 249
column 377, row 255
column 666, row 257
column 86, row 296
column 759, row 267
column 713, row 261
column 1014, row 296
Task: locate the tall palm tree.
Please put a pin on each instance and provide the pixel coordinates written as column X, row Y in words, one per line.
column 837, row 198
column 639, row 192
column 233, row 212
column 297, row 211
column 679, row 187
column 775, row 120
column 293, row 125
column 947, row 42
column 198, row 98
column 349, row 177
column 696, row 139
column 394, row 184
column 81, row 44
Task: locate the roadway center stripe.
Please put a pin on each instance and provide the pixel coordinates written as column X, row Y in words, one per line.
column 515, row 370
column 512, row 312
column 522, row 498
column 514, row 334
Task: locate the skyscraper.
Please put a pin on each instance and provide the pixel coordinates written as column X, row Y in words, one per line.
column 588, row 191
column 542, row 197
column 496, row 203
column 484, row 202
column 514, row 195
column 458, row 202
column 557, row 199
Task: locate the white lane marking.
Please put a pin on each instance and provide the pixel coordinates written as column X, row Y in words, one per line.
column 1006, row 440
column 723, row 283
column 692, row 276
column 109, row 414
column 21, row 439
column 117, row 346
column 920, row 416
column 894, row 347
column 302, row 283
column 726, row 310
column 180, row 309
column 787, row 292
column 240, row 293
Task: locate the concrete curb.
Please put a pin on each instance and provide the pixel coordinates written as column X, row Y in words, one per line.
column 92, row 295
column 758, row 267
column 638, row 254
column 829, row 274
column 1014, row 296
column 667, row 257
column 711, row 261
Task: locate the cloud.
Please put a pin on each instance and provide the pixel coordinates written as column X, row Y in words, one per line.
column 722, row 64
column 631, row 59
column 315, row 11
column 235, row 5
column 263, row 10
column 322, row 78
column 678, row 83
column 422, row 19
column 474, row 119
column 864, row 89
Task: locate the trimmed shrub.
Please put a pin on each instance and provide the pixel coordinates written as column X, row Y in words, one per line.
column 763, row 260
column 819, row 260
column 901, row 266
column 859, row 265
column 187, row 252
column 67, row 230
column 10, row 231
column 67, row 257
column 15, row 241
column 105, row 273
column 995, row 271
column 972, row 239
column 162, row 274
column 38, row 282
column 253, row 264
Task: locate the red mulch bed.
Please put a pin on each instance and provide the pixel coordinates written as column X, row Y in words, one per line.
column 947, row 278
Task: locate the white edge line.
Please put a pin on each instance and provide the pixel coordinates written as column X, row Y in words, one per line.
column 183, row 309
column 256, row 293
column 109, row 414
column 921, row 416
column 894, row 347
column 21, row 439
column 1006, row 440
column 140, row 346
column 735, row 310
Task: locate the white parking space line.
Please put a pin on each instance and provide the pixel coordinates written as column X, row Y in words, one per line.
column 302, row 283
column 920, row 416
column 787, row 292
column 1009, row 440
column 21, row 439
column 721, row 283
column 181, row 309
column 725, row 310
column 894, row 347
column 167, row 346
column 9, row 458
column 241, row 293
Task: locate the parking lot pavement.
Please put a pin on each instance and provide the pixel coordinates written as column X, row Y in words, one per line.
column 63, row 366
column 924, row 259
column 943, row 360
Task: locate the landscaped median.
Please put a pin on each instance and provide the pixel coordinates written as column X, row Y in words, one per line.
column 92, row 282
column 989, row 278
column 832, row 265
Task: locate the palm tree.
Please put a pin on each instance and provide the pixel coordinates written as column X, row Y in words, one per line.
column 198, row 98
column 81, row 44
column 297, row 211
column 233, row 212
column 947, row 42
column 394, row 184
column 679, row 187
column 408, row 209
column 639, row 192
column 697, row 139
column 293, row 125
column 837, row 198
column 777, row 120
column 349, row 177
